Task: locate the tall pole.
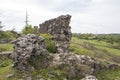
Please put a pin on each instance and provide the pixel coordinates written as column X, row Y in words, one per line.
column 26, row 21
column 1, row 24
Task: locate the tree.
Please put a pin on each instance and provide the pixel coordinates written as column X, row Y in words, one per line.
column 28, row 29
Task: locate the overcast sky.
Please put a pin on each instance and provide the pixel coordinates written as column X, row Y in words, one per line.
column 88, row 16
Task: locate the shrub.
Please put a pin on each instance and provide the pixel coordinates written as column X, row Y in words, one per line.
column 28, row 29
column 50, row 43
column 4, row 61
column 9, row 35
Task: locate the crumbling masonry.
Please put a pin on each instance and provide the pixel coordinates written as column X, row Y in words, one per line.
column 60, row 30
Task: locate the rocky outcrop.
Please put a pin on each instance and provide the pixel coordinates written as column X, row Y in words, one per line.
column 25, row 48
column 60, row 30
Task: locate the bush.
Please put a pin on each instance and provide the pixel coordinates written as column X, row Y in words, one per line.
column 8, row 35
column 50, row 43
column 4, row 61
column 2, row 49
column 28, row 29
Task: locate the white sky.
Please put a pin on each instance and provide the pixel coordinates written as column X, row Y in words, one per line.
column 88, row 16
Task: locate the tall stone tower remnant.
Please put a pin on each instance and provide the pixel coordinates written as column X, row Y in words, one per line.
column 60, row 30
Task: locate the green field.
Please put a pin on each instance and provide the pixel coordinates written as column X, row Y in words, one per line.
column 93, row 48
column 101, row 50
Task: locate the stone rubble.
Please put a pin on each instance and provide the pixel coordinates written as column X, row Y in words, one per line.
column 60, row 30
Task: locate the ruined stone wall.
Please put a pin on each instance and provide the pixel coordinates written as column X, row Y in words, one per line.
column 61, row 31
column 28, row 47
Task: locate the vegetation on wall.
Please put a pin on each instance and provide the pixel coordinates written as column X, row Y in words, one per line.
column 50, row 44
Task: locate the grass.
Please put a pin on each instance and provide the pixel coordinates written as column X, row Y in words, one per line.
column 5, row 68
column 110, row 50
column 50, row 44
column 83, row 47
column 6, row 47
column 101, row 50
column 50, row 74
column 99, row 43
column 77, row 47
column 109, row 75
column 105, row 46
column 93, row 48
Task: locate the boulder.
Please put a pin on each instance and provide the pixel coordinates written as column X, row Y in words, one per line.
column 25, row 48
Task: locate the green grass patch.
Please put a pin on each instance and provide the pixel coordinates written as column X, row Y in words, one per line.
column 50, row 43
column 110, row 50
column 109, row 75
column 101, row 50
column 99, row 43
column 94, row 48
column 6, row 47
column 5, row 68
column 80, row 50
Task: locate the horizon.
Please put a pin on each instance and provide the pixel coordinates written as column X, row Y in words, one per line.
column 88, row 16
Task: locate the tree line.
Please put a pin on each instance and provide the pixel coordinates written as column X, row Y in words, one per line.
column 110, row 38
